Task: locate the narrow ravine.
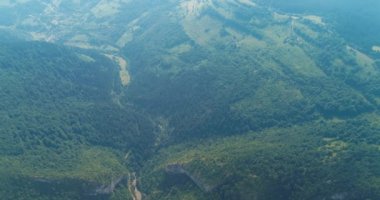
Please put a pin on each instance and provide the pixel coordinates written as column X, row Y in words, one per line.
column 132, row 187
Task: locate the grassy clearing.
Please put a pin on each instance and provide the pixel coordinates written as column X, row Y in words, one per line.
column 376, row 48
column 105, row 9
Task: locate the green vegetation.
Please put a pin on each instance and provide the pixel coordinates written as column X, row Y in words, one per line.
column 225, row 101
column 226, row 85
column 317, row 160
column 59, row 121
column 268, row 114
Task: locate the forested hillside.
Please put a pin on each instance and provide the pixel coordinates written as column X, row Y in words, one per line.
column 59, row 121
column 190, row 99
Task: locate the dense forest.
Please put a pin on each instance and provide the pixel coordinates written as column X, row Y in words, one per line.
column 59, row 120
column 224, row 100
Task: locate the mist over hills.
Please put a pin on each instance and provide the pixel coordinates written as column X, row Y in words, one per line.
column 192, row 99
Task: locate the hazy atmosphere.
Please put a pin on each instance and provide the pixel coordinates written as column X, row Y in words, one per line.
column 189, row 99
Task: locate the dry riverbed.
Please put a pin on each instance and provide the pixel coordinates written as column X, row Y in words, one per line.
column 132, row 186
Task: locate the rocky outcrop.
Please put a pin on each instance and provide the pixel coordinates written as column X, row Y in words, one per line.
column 179, row 169
column 108, row 189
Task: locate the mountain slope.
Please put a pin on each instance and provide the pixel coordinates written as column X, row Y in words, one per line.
column 224, row 76
column 213, row 75
column 226, row 100
column 319, row 160
column 59, row 121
